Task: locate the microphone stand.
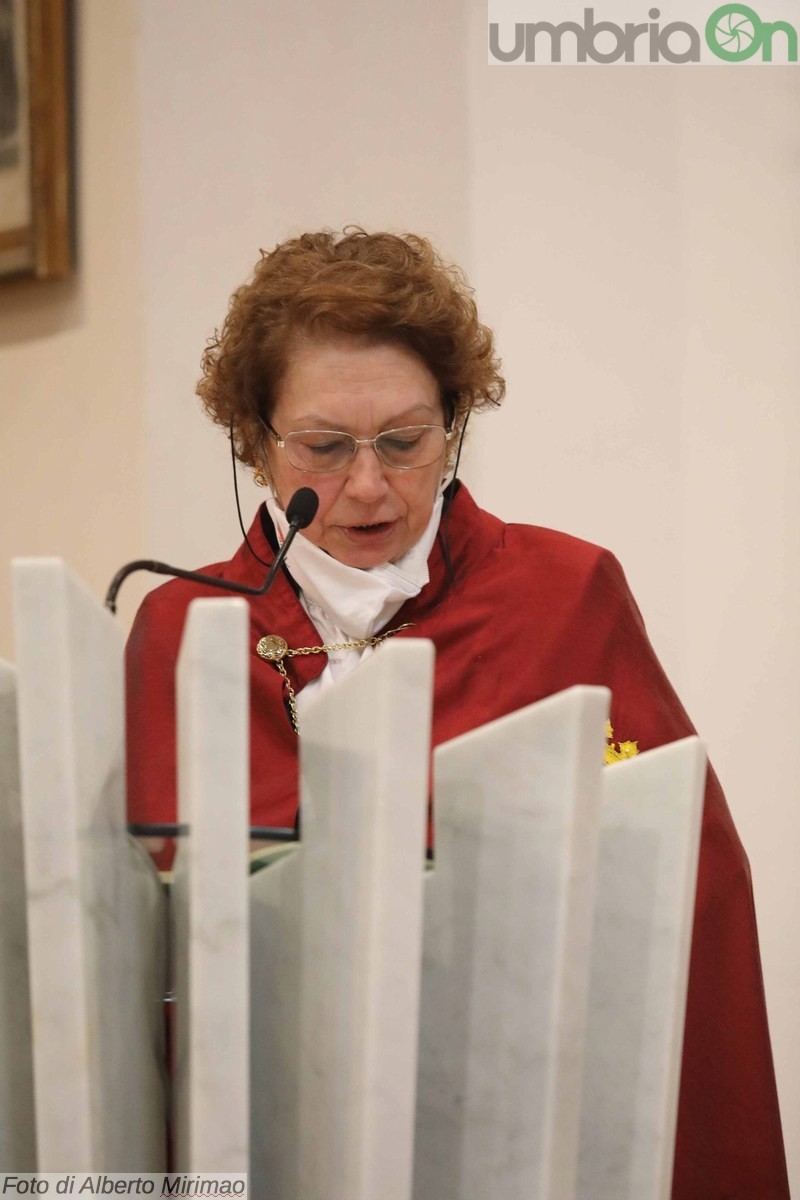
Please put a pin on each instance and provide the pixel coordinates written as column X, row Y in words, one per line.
column 300, row 512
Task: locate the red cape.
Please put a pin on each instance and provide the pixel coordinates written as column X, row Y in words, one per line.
column 526, row 612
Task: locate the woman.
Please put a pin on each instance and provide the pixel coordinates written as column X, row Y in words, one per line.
column 351, row 364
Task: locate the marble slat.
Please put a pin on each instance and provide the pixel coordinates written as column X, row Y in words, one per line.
column 647, row 874
column 17, row 1133
column 276, row 959
column 336, row 945
column 210, row 897
column 95, row 906
column 508, row 911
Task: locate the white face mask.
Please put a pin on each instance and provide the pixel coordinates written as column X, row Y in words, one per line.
column 349, row 602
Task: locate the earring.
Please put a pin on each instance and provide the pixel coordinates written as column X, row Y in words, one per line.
column 260, row 478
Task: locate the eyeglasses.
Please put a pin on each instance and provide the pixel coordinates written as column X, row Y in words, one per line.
column 325, row 450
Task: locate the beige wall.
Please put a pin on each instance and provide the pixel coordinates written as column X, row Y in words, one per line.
column 279, row 121
column 634, row 239
column 71, row 391
column 632, row 234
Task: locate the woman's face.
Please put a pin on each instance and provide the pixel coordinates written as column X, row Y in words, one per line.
column 368, row 513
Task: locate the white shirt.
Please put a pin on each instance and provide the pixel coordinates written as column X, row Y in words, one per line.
column 350, row 603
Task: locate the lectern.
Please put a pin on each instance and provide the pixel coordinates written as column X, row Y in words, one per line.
column 351, row 1021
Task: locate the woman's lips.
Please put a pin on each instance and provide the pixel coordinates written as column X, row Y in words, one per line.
column 375, row 532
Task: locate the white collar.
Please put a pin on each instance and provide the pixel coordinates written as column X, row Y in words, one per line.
column 349, row 600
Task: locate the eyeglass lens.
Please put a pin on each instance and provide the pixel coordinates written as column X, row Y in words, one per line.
column 404, row 449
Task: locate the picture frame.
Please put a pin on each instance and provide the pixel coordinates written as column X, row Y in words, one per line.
column 36, row 201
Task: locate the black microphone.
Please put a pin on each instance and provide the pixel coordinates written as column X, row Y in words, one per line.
column 300, row 512
column 302, row 508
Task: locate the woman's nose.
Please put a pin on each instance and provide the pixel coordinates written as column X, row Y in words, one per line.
column 366, row 476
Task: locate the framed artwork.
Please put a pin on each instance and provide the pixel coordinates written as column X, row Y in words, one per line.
column 36, row 223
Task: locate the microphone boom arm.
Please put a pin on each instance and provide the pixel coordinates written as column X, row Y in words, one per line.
column 300, row 512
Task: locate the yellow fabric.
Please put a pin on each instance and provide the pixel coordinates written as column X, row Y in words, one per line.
column 617, row 751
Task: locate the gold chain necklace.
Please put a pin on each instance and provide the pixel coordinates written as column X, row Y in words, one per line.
column 275, row 649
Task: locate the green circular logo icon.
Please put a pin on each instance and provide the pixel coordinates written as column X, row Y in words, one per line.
column 734, row 32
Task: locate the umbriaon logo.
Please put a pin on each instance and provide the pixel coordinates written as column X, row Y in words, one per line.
column 736, row 32
column 733, row 33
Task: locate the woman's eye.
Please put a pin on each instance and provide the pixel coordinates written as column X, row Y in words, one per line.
column 323, row 447
column 401, row 445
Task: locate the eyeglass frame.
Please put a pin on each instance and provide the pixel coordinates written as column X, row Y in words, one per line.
column 281, row 441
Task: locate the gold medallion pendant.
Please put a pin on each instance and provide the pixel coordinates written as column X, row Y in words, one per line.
column 272, row 647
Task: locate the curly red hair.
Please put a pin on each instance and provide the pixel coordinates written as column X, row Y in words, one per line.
column 382, row 286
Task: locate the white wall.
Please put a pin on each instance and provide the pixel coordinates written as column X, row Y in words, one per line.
column 278, row 121
column 741, row 439
column 71, row 353
column 633, row 236
column 634, row 240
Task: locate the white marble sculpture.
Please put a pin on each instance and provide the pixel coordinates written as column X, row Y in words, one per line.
column 508, row 913
column 210, row 897
column 349, row 1026
column 95, row 908
column 336, row 945
column 17, row 1132
column 647, row 871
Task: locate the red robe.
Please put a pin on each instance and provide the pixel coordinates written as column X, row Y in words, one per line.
column 527, row 612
